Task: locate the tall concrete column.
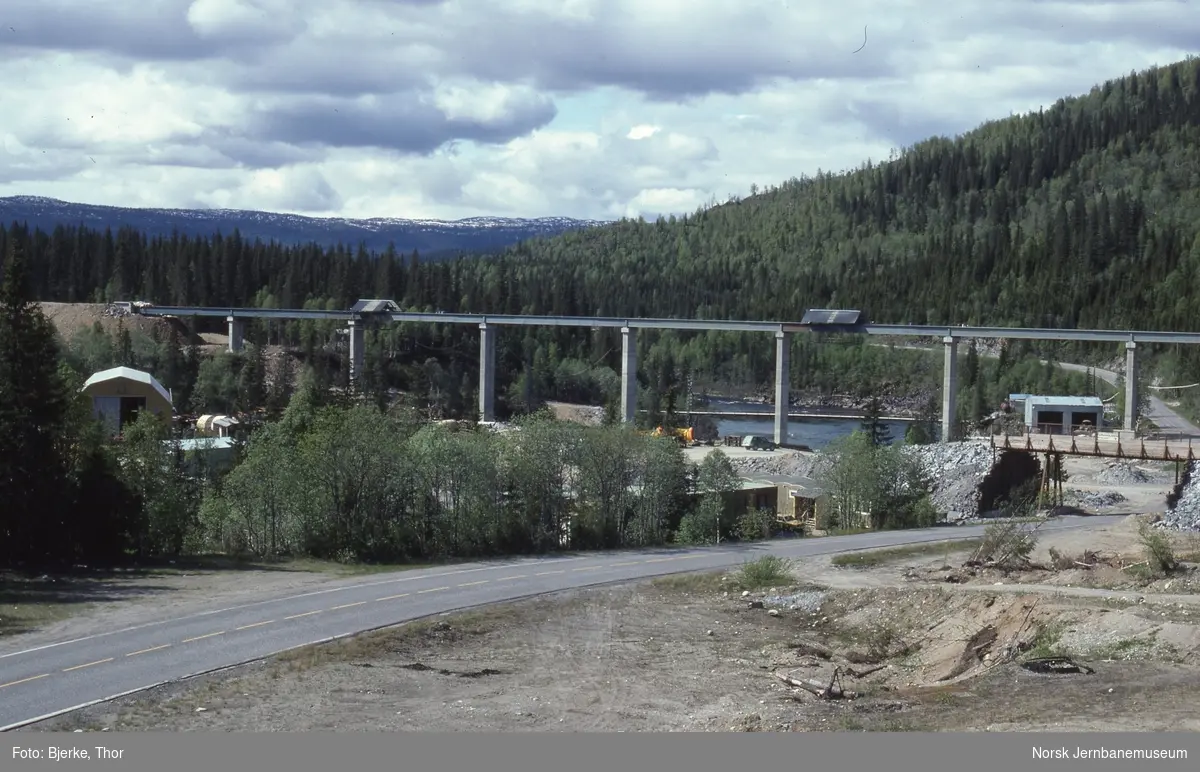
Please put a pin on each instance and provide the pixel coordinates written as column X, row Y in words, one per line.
column 1131, row 386
column 783, row 373
column 487, row 373
column 237, row 334
column 949, row 387
column 628, row 374
column 358, row 349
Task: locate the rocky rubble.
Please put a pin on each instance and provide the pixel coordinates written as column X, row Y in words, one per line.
column 1123, row 473
column 955, row 471
column 1185, row 516
column 788, row 464
column 1092, row 500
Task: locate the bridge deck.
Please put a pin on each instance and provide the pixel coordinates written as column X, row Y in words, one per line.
column 1098, row 445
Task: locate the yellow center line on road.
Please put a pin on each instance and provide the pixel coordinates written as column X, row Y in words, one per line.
column 630, row 563
column 305, row 614
column 255, row 624
column 24, row 680
column 147, row 651
column 660, row 560
column 588, row 568
column 432, row 589
column 349, row 605
column 392, row 597
column 202, row 637
column 547, row 573
column 90, row 664
column 473, row 584
column 516, row 576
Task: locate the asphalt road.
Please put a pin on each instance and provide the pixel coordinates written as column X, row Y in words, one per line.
column 54, row 678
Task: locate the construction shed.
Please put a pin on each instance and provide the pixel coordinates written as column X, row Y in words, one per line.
column 213, row 454
column 120, row 393
column 1062, row 415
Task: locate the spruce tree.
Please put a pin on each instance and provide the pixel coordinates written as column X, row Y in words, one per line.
column 872, row 423
column 33, row 417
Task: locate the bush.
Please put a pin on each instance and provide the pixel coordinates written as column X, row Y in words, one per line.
column 1006, row 545
column 1159, row 552
column 767, row 571
column 755, row 525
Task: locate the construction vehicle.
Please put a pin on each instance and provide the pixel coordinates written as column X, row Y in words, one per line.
column 686, row 436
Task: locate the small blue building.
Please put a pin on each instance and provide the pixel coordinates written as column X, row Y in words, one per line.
column 1059, row 415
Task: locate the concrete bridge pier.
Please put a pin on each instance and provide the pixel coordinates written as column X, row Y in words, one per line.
column 949, row 387
column 357, row 350
column 783, row 373
column 1131, row 386
column 487, row 373
column 628, row 374
column 237, row 334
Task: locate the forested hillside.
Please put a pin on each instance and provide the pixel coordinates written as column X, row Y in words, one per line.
column 1085, row 214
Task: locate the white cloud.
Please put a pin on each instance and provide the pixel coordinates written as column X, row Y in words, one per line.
column 593, row 108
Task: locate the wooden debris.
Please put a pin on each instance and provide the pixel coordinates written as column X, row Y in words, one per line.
column 825, row 691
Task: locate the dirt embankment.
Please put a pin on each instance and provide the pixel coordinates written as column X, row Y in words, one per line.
column 69, row 318
column 697, row 652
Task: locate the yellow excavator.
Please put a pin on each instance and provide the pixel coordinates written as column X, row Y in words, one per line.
column 685, row 436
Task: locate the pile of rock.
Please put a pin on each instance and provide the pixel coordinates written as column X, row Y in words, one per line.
column 955, row 471
column 786, row 464
column 1093, row 500
column 1123, row 473
column 118, row 310
column 1185, row 516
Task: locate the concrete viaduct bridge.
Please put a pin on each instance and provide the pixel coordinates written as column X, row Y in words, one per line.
column 816, row 321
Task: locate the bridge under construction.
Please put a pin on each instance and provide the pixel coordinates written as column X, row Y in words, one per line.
column 816, row 321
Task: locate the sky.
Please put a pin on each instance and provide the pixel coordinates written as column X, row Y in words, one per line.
column 523, row 108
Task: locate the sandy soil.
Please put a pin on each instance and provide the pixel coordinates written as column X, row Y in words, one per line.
column 68, row 318
column 698, row 653
column 580, row 414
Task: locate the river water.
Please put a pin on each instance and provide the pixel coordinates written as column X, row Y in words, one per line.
column 817, row 433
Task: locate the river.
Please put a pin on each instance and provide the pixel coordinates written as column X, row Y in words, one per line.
column 816, row 433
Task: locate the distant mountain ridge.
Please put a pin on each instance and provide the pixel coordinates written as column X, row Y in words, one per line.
column 429, row 237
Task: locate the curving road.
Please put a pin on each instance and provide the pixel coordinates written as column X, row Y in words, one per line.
column 1166, row 419
column 55, row 678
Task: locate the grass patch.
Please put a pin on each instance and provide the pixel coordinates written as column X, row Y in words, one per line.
column 1048, row 642
column 878, row 557
column 767, row 571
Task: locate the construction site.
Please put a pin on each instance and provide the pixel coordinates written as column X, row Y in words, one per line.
column 1095, row 628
